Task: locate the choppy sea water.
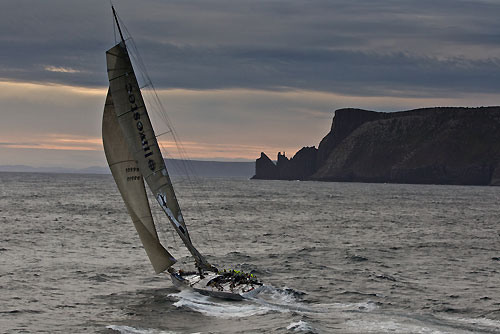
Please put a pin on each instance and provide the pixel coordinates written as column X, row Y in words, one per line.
column 335, row 257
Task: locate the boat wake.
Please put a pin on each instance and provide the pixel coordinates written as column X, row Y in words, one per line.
column 213, row 307
column 281, row 300
column 269, row 299
column 300, row 315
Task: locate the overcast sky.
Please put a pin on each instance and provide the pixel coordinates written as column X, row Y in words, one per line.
column 237, row 77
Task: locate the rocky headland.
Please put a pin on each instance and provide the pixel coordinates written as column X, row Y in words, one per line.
column 442, row 145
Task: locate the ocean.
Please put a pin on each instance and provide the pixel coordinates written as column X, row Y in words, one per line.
column 334, row 257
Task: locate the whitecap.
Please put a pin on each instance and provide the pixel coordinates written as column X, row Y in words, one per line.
column 495, row 324
column 391, row 326
column 270, row 299
column 217, row 308
column 301, row 326
column 282, row 300
column 132, row 330
column 367, row 306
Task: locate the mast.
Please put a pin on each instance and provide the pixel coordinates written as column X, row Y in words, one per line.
column 134, row 121
column 118, row 25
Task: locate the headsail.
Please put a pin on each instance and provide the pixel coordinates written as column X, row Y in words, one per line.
column 131, row 185
column 137, row 129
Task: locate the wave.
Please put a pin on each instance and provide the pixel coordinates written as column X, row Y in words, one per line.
column 390, row 326
column 132, row 330
column 269, row 299
column 482, row 323
column 215, row 307
column 406, row 323
column 365, row 317
column 302, row 326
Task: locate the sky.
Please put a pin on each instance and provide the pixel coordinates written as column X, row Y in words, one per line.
column 236, row 77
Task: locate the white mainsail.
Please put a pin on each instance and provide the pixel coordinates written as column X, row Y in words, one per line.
column 129, row 180
column 132, row 117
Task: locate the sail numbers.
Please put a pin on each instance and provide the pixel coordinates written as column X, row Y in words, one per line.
column 133, row 177
column 140, row 126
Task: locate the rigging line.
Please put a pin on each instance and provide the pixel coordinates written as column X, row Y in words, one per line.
column 114, row 28
column 164, row 133
column 136, row 56
column 163, row 230
column 168, row 232
column 195, row 196
column 189, row 170
column 161, row 111
column 145, row 76
column 174, row 166
column 132, row 44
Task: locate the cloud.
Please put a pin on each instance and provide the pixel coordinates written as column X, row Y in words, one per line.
column 55, row 141
column 238, row 77
column 347, row 72
column 44, row 124
column 61, row 69
column 430, row 48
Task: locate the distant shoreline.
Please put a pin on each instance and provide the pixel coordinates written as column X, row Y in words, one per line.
column 175, row 167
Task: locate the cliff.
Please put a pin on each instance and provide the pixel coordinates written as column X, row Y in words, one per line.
column 432, row 146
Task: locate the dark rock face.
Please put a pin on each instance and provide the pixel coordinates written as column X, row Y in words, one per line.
column 300, row 167
column 432, row 146
column 265, row 169
column 345, row 121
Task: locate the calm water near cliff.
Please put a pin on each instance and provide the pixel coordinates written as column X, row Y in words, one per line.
column 336, row 258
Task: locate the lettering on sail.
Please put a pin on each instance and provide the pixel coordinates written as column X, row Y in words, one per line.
column 133, row 177
column 140, row 127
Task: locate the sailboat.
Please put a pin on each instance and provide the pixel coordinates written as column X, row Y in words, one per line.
column 134, row 156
